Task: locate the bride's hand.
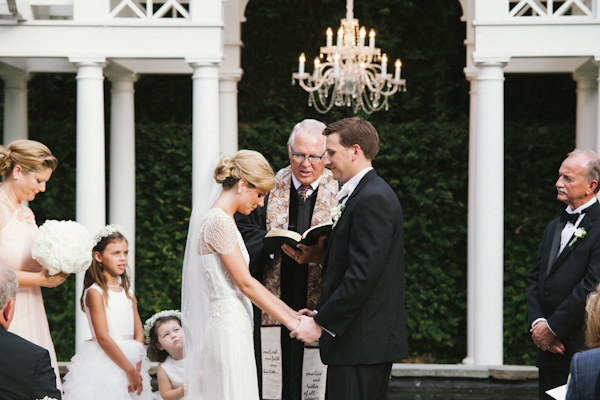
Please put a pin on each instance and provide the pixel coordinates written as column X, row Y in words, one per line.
column 51, row 281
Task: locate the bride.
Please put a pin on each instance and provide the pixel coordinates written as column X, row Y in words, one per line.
column 217, row 285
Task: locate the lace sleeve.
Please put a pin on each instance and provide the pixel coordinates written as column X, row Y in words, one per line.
column 221, row 233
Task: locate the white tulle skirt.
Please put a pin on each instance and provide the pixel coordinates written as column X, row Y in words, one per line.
column 94, row 376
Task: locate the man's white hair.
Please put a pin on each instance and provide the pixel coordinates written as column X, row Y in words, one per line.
column 8, row 284
column 309, row 127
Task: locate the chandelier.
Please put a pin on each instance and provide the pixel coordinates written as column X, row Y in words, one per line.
column 347, row 74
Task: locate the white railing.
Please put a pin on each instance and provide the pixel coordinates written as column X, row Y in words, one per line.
column 553, row 8
column 149, row 9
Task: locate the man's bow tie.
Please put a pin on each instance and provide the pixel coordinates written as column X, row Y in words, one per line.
column 565, row 216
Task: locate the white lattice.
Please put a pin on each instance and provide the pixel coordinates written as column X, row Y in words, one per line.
column 551, row 8
column 149, row 9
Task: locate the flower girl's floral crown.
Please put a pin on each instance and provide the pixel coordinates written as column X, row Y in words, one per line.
column 107, row 231
column 152, row 320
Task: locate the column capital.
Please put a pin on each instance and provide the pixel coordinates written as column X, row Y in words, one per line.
column 471, row 73
column 88, row 61
column 115, row 77
column 214, row 60
column 231, row 75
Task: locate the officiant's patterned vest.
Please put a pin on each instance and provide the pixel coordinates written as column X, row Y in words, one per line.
column 278, row 217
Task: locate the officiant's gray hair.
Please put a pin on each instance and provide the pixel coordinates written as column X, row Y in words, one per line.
column 309, row 127
column 592, row 168
column 8, row 284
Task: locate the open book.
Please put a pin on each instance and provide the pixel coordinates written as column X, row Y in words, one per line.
column 275, row 238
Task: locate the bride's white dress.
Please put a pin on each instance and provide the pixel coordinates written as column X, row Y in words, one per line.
column 227, row 347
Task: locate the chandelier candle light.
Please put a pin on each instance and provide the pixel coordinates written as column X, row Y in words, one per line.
column 349, row 75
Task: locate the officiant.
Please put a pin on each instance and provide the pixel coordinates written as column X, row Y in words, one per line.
column 303, row 197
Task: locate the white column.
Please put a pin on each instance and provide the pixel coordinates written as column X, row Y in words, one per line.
column 205, row 122
column 90, row 177
column 228, row 109
column 469, row 360
column 587, row 110
column 15, row 106
column 489, row 215
column 121, row 204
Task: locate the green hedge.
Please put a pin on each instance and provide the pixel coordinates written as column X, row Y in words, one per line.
column 426, row 163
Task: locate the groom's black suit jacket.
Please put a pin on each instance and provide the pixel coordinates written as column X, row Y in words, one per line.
column 362, row 292
column 25, row 369
column 560, row 294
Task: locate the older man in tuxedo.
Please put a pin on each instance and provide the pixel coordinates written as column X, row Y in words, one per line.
column 303, row 196
column 362, row 293
column 566, row 270
column 25, row 369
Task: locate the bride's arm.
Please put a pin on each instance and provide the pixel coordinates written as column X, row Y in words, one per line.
column 237, row 268
column 95, row 303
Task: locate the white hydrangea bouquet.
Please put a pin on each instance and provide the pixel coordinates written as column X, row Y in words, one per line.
column 63, row 246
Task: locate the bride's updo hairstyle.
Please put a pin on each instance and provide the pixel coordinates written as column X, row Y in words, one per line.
column 32, row 156
column 248, row 165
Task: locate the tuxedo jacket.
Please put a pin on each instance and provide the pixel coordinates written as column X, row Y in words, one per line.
column 557, row 287
column 25, row 369
column 585, row 367
column 362, row 291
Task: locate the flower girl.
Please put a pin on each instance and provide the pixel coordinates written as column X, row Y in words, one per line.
column 113, row 364
column 164, row 337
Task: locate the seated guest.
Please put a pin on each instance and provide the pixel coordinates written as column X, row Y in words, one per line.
column 585, row 365
column 25, row 369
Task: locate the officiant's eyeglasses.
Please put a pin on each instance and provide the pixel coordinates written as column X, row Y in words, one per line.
column 311, row 159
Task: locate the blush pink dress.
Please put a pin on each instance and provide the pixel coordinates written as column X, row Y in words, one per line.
column 30, row 321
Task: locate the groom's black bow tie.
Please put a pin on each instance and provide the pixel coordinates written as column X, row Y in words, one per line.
column 565, row 216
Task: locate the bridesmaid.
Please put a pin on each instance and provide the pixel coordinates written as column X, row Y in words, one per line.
column 26, row 166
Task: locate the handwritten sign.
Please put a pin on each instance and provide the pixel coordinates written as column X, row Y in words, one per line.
column 314, row 375
column 271, row 362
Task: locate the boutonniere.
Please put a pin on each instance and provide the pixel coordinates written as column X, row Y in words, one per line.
column 579, row 234
column 336, row 213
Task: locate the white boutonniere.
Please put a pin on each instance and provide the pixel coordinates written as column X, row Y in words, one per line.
column 579, row 234
column 336, row 213
column 48, row 398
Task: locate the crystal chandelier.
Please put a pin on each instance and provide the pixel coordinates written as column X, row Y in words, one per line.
column 348, row 75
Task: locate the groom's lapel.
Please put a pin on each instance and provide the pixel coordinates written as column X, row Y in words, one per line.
column 368, row 176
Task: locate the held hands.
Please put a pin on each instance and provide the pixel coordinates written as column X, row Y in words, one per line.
column 307, row 330
column 51, row 281
column 307, row 312
column 303, row 254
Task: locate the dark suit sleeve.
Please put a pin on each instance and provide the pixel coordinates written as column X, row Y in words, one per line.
column 44, row 383
column 534, row 308
column 253, row 228
column 569, row 315
column 373, row 225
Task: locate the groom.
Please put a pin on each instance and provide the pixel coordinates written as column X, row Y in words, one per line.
column 362, row 292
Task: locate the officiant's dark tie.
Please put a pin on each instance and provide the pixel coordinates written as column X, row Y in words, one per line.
column 303, row 191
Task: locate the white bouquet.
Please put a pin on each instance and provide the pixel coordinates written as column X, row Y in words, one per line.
column 63, row 246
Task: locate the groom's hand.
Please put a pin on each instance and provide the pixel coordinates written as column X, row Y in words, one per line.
column 307, row 312
column 307, row 330
column 303, row 254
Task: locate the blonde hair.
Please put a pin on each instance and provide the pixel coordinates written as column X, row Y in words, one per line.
column 248, row 165
column 592, row 310
column 32, row 156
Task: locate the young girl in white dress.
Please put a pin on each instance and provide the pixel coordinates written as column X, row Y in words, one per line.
column 217, row 285
column 164, row 337
column 113, row 364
